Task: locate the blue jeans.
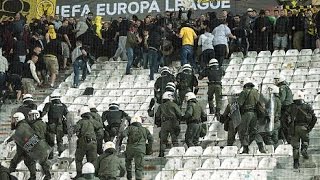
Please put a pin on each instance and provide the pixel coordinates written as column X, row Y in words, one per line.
column 187, row 55
column 153, row 59
column 77, row 66
column 130, row 59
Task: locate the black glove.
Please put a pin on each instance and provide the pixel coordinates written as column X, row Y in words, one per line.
column 196, row 90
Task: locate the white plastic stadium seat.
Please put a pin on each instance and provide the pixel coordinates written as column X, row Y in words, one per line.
column 201, row 175
column 211, row 163
column 129, row 92
column 267, row 163
column 113, row 85
column 274, row 66
column 264, row 54
column 306, row 52
column 249, row 61
column 220, row 175
column 212, row 151
column 109, row 99
column 240, row 175
column 99, row 85
column 263, row 60
column 249, row 163
column 235, row 61
column 115, row 93
column 296, row 85
column 126, row 84
column 173, row 163
column 246, row 67
column 84, row 85
column 316, row 51
column 230, row 163
column 288, row 65
column 185, row 175
column 229, row 151
column 176, row 151
column 245, row 74
column 313, row 78
column 284, row 149
column 252, row 54
column 301, row 71
column 292, row 52
column 164, row 175
column 314, row 70
column 193, row 151
column 260, row 67
column 299, row 78
column 101, row 92
column 272, row 73
column 258, row 74
column 80, row 100
column 233, row 68
column 236, row 55
column 278, row 60
column 67, row 99
column 292, row 59
column 259, row 174
column 192, row 164
column 278, row 53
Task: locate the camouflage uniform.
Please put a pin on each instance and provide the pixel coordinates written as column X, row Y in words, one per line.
column 136, row 148
column 194, row 115
column 168, row 117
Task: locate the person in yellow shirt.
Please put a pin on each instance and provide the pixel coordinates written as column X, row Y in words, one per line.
column 188, row 36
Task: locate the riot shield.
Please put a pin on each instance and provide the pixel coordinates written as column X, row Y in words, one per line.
column 70, row 121
column 38, row 149
column 234, row 111
column 270, row 125
column 118, row 139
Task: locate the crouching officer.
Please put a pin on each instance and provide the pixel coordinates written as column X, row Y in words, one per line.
column 136, row 147
column 194, row 115
column 106, row 170
column 100, row 133
column 86, row 129
column 187, row 82
column 115, row 117
column 57, row 113
column 301, row 119
column 168, row 118
column 214, row 74
column 27, row 105
column 88, row 172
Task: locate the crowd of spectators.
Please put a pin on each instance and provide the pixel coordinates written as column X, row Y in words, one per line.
column 34, row 53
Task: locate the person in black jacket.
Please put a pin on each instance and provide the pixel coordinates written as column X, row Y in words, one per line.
column 261, row 28
column 14, row 77
column 298, row 30
column 281, row 30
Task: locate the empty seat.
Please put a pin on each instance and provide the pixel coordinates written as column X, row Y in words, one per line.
column 201, row 175
column 229, row 151
column 236, row 55
column 284, row 149
column 95, row 100
column 101, row 92
column 67, row 99
column 260, row 67
column 227, row 81
column 84, row 85
column 315, row 63
column 231, row 74
column 233, row 68
column 274, row 66
column 164, row 175
column 277, row 60
column 194, row 151
column 115, row 93
column 176, row 151
column 240, row 175
column 278, row 53
column 296, row 85
column 144, row 92
column 264, row 54
column 304, row 61
column 292, row 59
column 272, row 73
column 252, row 54
column 141, row 84
column 316, row 51
column 192, row 164
column 132, row 106
column 126, row 84
column 113, row 85
column 212, row 151
column 308, row 98
column 311, row 85
column 211, row 163
column 246, row 67
column 313, row 77
column 249, row 163
column 74, row 92
column 267, row 163
column 299, row 78
column 288, row 65
column 138, row 99
column 259, row 74
column 306, row 52
column 99, row 85
column 287, row 72
column 130, row 92
column 173, row 163
column 249, row 61
column 301, row 71
column 245, row 74
column 185, row 175
column 230, row 163
column 263, row 60
column 314, row 70
column 259, row 174
column 109, row 100
column 268, row 80
column 220, row 175
column 292, row 52
column 310, row 91
column 80, row 100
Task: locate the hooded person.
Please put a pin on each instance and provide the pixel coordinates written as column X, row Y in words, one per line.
column 106, row 170
column 98, row 26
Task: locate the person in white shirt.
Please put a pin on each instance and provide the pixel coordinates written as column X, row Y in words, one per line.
column 3, row 70
column 206, row 43
column 222, row 33
column 77, row 51
column 29, row 75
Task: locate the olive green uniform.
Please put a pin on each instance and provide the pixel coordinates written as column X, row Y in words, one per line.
column 88, row 177
column 168, row 117
column 248, row 132
column 106, row 170
column 286, row 98
column 302, row 120
column 186, row 82
column 100, row 132
column 194, row 115
column 87, row 141
column 136, row 148
column 277, row 114
column 228, row 126
column 4, row 173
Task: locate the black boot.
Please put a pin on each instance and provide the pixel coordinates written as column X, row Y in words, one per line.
column 296, row 164
column 261, row 148
column 245, row 150
column 161, row 154
column 305, row 154
column 212, row 111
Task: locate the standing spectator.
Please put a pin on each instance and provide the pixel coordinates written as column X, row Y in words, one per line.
column 206, row 43
column 281, row 30
column 122, row 31
column 261, row 27
column 188, row 37
column 145, row 48
column 26, row 35
column 133, row 40
column 66, row 44
column 20, row 48
column 51, row 52
column 3, row 70
column 18, row 24
column 81, row 28
column 247, row 22
column 154, row 43
column 240, row 44
column 110, row 38
column 56, row 22
column 221, row 34
column 310, row 31
column 14, row 77
column 29, row 75
column 298, row 29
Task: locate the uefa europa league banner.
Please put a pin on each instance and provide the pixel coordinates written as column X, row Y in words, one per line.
column 116, row 8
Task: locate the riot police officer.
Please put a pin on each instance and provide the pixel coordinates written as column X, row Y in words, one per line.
column 286, row 99
column 186, row 82
column 194, row 115
column 301, row 120
column 57, row 112
column 88, row 171
column 27, row 105
column 168, row 118
column 160, row 85
column 115, row 117
column 248, row 99
column 214, row 74
column 100, row 132
column 136, row 147
column 86, row 129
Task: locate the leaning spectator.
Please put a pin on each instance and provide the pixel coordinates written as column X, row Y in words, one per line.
column 80, row 64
